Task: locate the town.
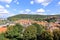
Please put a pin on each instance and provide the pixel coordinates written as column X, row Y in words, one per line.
column 51, row 24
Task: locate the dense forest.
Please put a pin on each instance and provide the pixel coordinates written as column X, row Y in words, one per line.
column 32, row 32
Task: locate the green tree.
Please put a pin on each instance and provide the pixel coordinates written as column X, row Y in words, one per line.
column 2, row 37
column 53, row 19
column 30, row 33
column 56, row 34
column 46, row 35
column 40, row 28
column 14, row 32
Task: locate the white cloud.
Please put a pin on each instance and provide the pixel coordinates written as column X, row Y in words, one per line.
column 3, row 10
column 40, row 10
column 10, row 14
column 17, row 3
column 55, row 14
column 41, row 13
column 1, row 7
column 6, row 1
column 4, row 13
column 58, row 3
column 43, row 2
column 7, row 15
column 31, row 2
column 39, row 1
column 36, row 13
column 27, row 10
column 21, row 12
column 7, row 6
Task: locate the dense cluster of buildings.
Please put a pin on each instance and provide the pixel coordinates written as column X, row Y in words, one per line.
column 49, row 26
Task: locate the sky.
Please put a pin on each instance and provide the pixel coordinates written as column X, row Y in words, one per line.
column 40, row 7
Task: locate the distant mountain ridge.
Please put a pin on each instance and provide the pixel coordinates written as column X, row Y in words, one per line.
column 30, row 16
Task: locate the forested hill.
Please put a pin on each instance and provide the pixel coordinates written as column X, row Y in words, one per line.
column 29, row 16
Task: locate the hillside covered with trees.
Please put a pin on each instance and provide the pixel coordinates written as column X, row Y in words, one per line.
column 30, row 16
column 35, row 30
